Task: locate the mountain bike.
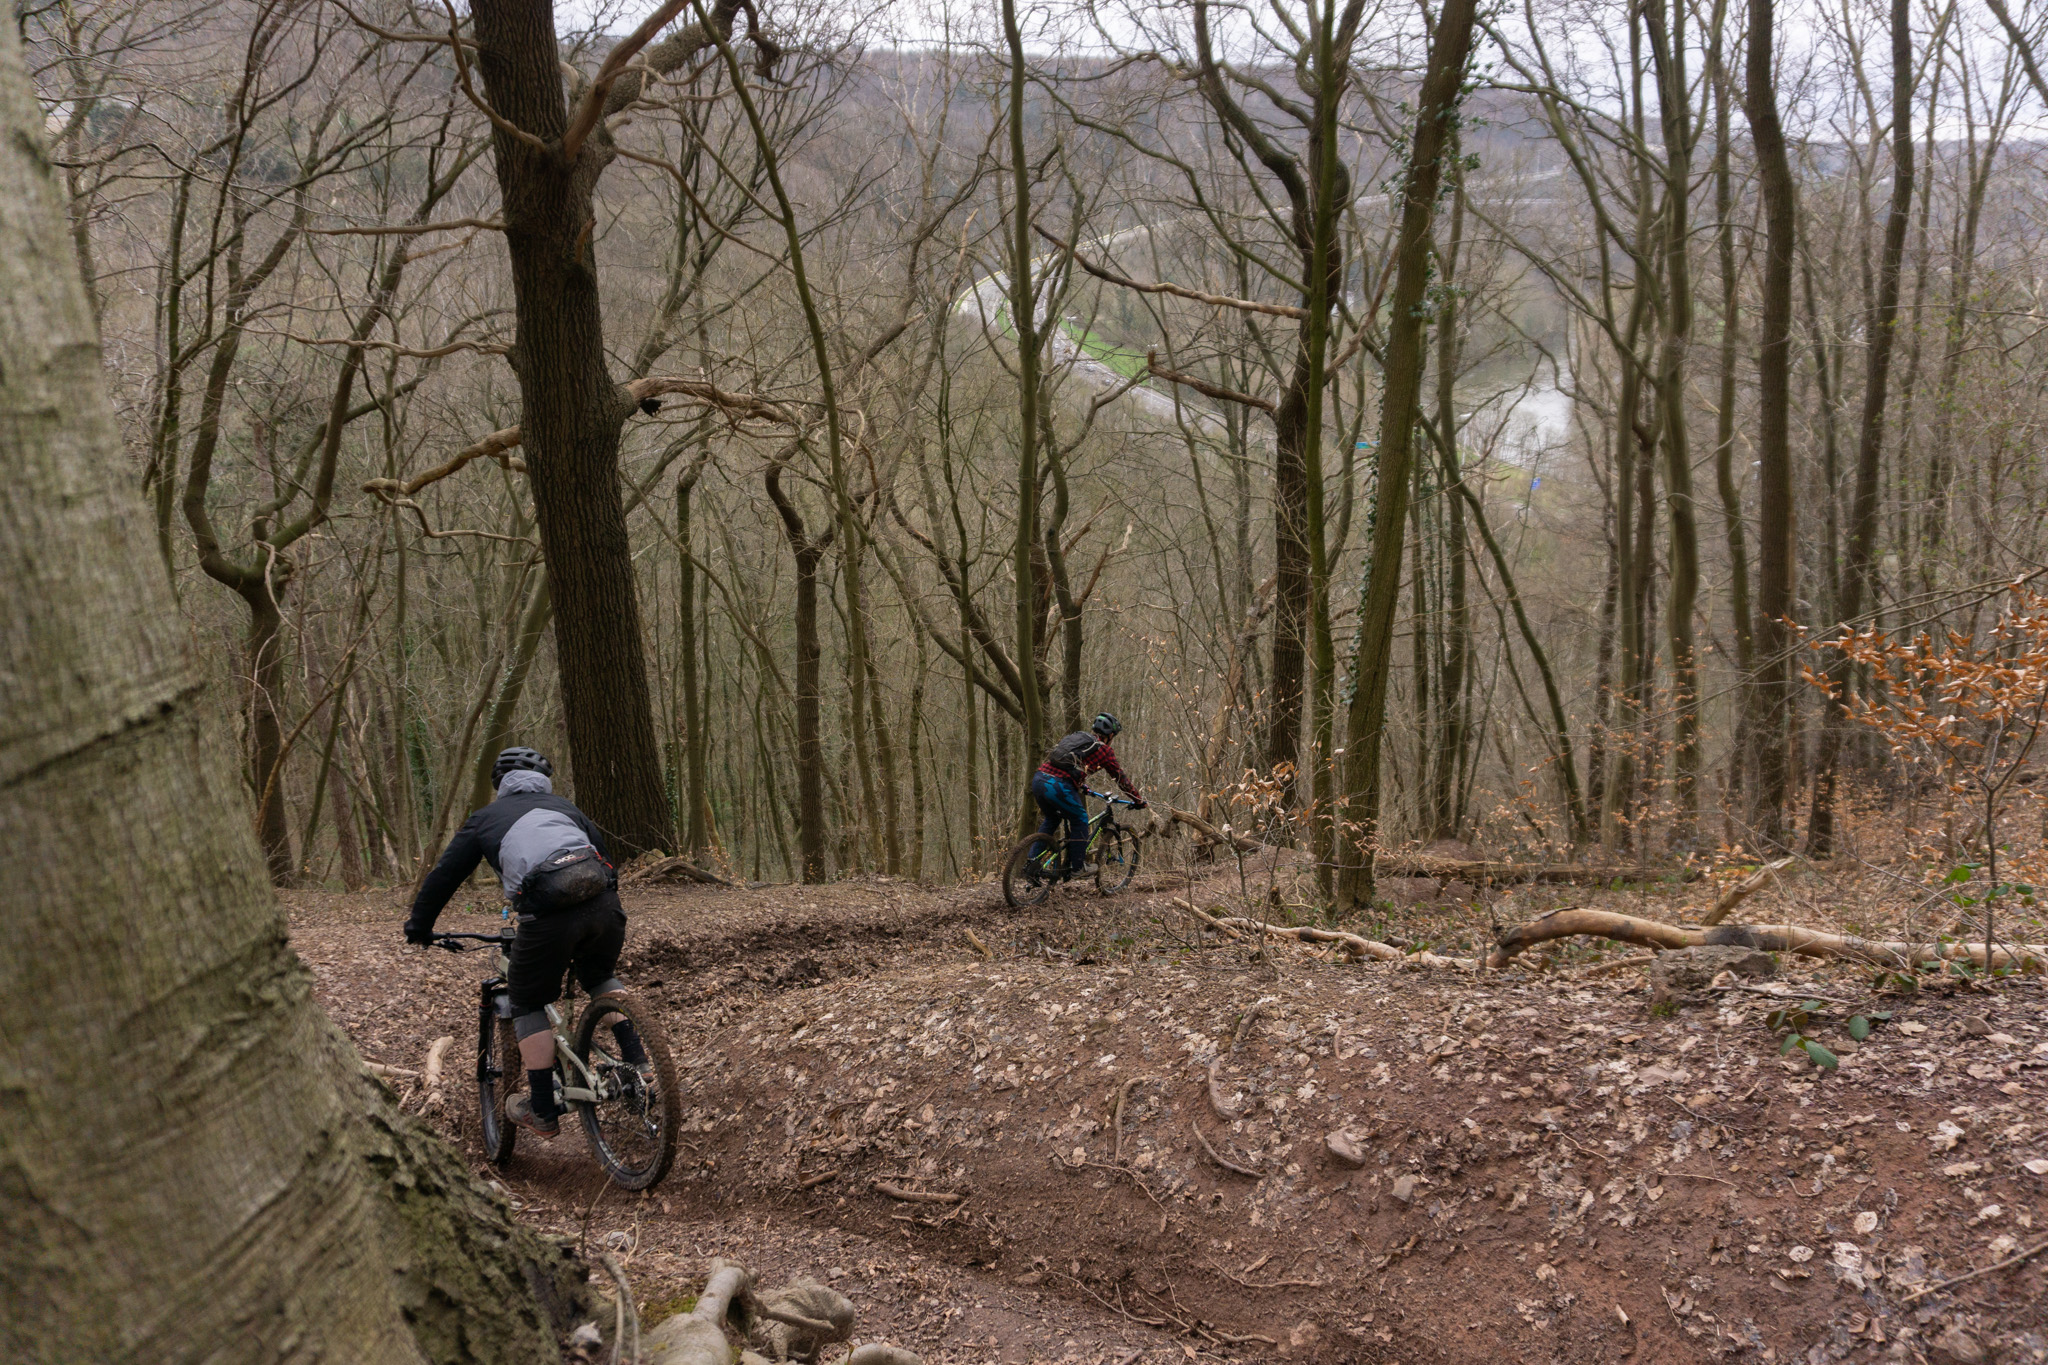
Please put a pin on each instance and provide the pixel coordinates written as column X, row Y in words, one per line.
column 631, row 1114
column 1039, row 863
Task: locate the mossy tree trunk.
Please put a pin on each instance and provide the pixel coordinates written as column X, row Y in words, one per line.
column 192, row 1163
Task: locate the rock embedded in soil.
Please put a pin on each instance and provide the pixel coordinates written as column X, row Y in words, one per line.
column 1957, row 1347
column 1404, row 1188
column 1347, row 1146
column 1682, row 976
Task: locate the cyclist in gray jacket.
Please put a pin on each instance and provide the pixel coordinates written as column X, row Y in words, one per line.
column 549, row 856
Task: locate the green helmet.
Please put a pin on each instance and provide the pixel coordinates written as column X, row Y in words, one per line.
column 1106, row 724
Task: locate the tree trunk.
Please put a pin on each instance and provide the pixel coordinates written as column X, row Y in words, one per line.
column 1455, row 652
column 696, row 821
column 264, row 658
column 1630, row 558
column 1023, row 311
column 1366, row 721
column 810, row 722
column 1668, row 46
column 1863, row 523
column 885, row 759
column 534, row 617
column 1771, row 690
column 1724, row 417
column 571, row 416
column 915, row 745
column 1290, row 574
column 240, row 1174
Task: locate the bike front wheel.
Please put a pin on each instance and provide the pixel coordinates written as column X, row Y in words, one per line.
column 1027, row 880
column 633, row 1124
column 1116, row 860
column 499, row 1075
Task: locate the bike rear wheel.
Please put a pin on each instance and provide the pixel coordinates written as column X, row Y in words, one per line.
column 1116, row 860
column 1026, row 879
column 632, row 1128
column 499, row 1076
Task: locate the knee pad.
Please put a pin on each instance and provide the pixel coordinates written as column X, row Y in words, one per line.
column 611, row 985
column 527, row 1025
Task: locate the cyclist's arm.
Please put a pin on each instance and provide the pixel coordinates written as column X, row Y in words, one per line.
column 1107, row 762
column 457, row 861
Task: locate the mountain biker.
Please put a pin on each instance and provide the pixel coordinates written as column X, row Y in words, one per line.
column 1060, row 780
column 550, row 857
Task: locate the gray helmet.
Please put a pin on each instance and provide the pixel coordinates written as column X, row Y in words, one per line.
column 1106, row 724
column 518, row 759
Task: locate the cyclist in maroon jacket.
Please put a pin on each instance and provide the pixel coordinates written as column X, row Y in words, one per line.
column 1060, row 780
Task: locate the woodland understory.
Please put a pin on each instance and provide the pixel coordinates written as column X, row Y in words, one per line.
column 1710, row 350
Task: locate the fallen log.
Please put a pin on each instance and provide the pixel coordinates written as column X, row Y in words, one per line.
column 673, row 869
column 1477, row 873
column 1359, row 945
column 1770, row 938
column 1213, row 834
column 1218, row 925
column 1744, row 889
column 1461, row 869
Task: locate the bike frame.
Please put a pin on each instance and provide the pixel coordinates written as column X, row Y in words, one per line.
column 1100, row 821
column 497, row 988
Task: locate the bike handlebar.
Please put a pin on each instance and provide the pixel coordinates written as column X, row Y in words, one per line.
column 1112, row 800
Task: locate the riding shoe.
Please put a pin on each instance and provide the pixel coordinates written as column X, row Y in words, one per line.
column 519, row 1109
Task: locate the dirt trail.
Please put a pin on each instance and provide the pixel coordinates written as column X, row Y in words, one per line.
column 1551, row 1173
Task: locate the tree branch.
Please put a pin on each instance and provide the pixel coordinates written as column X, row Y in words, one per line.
column 1278, row 310
column 1204, row 387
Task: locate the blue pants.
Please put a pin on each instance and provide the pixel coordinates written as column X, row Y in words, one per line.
column 1059, row 802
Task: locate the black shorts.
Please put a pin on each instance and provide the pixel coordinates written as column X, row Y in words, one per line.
column 586, row 938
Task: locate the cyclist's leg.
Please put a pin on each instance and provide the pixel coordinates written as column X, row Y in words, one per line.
column 1051, row 813
column 602, row 938
column 539, row 957
column 1075, row 812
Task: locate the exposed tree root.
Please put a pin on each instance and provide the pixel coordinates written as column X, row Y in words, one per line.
column 1771, row 938
column 698, row 1336
column 1224, row 1110
column 917, row 1196
column 792, row 1323
column 1217, row 1156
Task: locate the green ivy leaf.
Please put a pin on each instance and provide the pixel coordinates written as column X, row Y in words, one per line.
column 1957, row 874
column 1821, row 1056
column 1859, row 1028
column 1792, row 1040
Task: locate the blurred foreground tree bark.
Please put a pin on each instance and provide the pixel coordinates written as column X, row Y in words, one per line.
column 194, row 1165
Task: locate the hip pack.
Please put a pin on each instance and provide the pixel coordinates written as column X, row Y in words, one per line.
column 566, row 878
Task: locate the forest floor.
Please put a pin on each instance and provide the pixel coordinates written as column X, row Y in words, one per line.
column 1552, row 1172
